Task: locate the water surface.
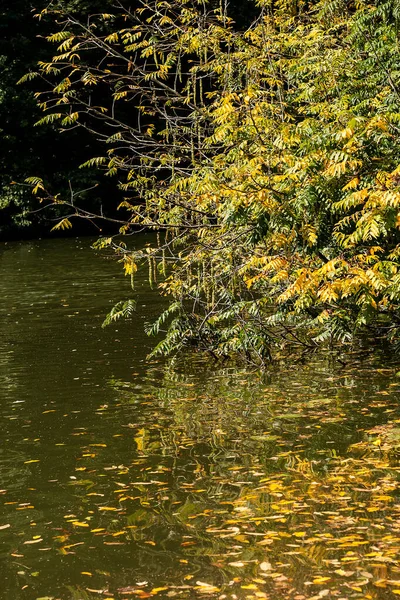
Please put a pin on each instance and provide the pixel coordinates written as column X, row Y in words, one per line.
column 121, row 477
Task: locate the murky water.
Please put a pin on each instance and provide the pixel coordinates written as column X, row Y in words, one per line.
column 122, row 478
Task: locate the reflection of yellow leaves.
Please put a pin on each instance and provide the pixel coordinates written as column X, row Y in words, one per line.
column 380, row 583
column 241, row 538
column 139, row 439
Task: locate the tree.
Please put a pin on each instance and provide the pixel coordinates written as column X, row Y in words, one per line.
column 268, row 159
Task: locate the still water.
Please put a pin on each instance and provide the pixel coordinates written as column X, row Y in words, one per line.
column 121, row 477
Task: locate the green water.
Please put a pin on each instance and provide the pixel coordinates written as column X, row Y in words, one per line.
column 122, row 478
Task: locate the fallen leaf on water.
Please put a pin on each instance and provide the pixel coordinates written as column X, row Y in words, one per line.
column 34, row 541
column 319, row 580
column 250, row 586
column 5, row 526
column 114, row 543
column 206, row 587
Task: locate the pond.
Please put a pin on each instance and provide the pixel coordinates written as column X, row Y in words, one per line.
column 122, row 477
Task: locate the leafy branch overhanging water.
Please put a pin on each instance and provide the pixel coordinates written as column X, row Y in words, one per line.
column 268, row 158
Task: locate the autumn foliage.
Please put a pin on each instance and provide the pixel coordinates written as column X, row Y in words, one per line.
column 267, row 158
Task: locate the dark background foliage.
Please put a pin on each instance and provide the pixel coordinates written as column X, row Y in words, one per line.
column 43, row 151
column 27, row 150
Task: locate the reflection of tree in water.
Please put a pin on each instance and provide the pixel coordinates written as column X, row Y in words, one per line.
column 14, row 475
column 239, row 467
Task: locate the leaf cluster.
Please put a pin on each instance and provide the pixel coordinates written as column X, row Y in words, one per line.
column 270, row 156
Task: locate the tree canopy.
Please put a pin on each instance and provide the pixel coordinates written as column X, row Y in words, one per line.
column 266, row 156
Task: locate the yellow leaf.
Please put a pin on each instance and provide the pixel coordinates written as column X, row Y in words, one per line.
column 319, row 580
column 251, row 586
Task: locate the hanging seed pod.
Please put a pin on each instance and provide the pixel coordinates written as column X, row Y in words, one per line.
column 205, row 283
column 154, row 264
column 150, row 272
column 213, row 285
